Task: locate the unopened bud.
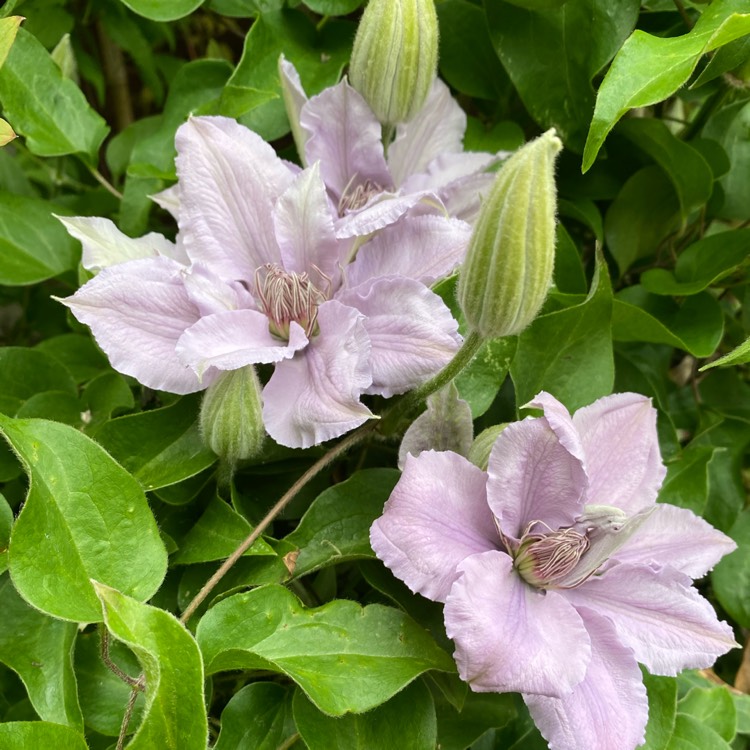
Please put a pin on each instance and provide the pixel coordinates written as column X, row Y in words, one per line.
column 508, row 268
column 479, row 453
column 394, row 60
column 231, row 417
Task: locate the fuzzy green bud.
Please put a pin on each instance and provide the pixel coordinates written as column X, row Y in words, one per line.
column 231, row 417
column 394, row 59
column 479, row 453
column 508, row 268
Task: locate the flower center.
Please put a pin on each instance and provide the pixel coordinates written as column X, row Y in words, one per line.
column 544, row 559
column 355, row 196
column 287, row 297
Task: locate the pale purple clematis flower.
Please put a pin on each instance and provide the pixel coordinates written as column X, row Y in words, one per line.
column 558, row 570
column 265, row 285
column 424, row 166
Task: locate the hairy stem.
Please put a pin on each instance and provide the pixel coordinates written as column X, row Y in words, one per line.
column 134, row 682
column 129, row 712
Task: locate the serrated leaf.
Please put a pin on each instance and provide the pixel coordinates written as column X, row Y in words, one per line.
column 649, row 69
column 345, row 657
column 45, row 107
column 23, row 735
column 84, row 517
column 158, row 10
column 174, row 717
column 336, row 527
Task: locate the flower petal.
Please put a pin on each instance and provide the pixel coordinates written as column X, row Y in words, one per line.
column 344, row 135
column 294, row 99
column 677, row 537
column 425, row 248
column 510, row 636
column 623, row 461
column 137, row 311
column 105, row 245
column 212, row 295
column 608, row 710
column 314, row 397
column 533, row 477
column 169, row 200
column 412, row 333
column 436, row 516
column 656, row 612
column 559, row 419
column 230, row 179
column 235, row 338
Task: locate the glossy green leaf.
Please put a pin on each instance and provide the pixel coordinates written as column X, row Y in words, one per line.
column 47, row 108
column 159, row 10
column 406, row 720
column 174, row 717
column 738, row 356
column 696, row 325
column 662, row 706
column 713, row 707
column 731, row 576
column 479, row 383
column 90, row 511
column 40, row 650
column 23, row 735
column 78, row 354
column 258, row 717
column 336, row 527
column 569, row 352
column 724, row 60
column 701, row 265
column 345, row 657
column 649, row 69
column 691, row 734
column 686, row 483
column 8, row 30
column 533, row 43
column 103, row 396
column 159, row 447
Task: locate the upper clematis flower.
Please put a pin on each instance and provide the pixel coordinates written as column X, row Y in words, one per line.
column 558, row 570
column 424, row 166
column 265, row 279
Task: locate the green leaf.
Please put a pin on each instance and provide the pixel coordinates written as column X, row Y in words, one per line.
column 23, row 735
column 104, row 395
column 334, row 7
column 33, row 244
column 258, row 717
column 649, row 69
column 6, row 525
column 159, row 447
column 78, row 354
column 701, row 265
column 479, row 383
column 40, row 650
column 8, row 30
column 569, row 352
column 158, row 10
column 696, row 325
column 174, row 717
column 336, row 527
column 738, row 356
column 731, row 576
column 662, row 706
column 713, row 707
column 47, row 108
column 244, row 8
column 345, row 657
column 406, row 721
column 691, row 734
column 552, row 54
column 458, row 730
column 686, row 483
column 90, row 511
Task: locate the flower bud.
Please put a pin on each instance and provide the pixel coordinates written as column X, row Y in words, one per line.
column 479, row 453
column 394, row 59
column 231, row 416
column 508, row 268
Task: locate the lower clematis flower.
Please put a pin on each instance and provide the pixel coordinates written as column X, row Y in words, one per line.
column 257, row 275
column 558, row 570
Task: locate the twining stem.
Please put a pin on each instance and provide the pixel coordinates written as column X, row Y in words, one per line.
column 134, row 682
column 337, row 450
column 139, row 687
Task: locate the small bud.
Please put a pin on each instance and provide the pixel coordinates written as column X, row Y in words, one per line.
column 394, row 60
column 231, row 416
column 508, row 268
column 479, row 453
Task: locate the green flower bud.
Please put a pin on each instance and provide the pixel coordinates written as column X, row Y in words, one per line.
column 508, row 268
column 394, row 59
column 231, row 416
column 479, row 453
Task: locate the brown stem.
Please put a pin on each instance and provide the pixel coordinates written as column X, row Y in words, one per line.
column 742, row 679
column 134, row 682
column 129, row 712
column 116, row 75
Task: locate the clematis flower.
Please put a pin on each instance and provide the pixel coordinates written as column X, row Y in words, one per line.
column 558, row 570
column 263, row 281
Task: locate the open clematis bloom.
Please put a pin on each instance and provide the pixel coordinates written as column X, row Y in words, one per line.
column 558, row 570
column 257, row 275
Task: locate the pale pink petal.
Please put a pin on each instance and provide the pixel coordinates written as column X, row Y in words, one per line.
column 314, row 397
column 510, row 636
column 105, row 245
column 294, row 99
column 412, row 333
column 235, row 338
column 344, row 135
column 559, row 419
column 656, row 612
column 623, row 461
column 230, row 179
column 437, row 515
column 212, row 295
column 304, row 227
column 533, row 477
column 677, row 537
column 437, row 128
column 137, row 311
column 608, row 710
column 425, row 248
column 169, row 200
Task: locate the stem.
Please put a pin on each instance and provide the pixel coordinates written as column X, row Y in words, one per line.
column 129, row 712
column 134, row 682
column 337, row 450
column 104, row 182
column 292, row 740
column 685, row 17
